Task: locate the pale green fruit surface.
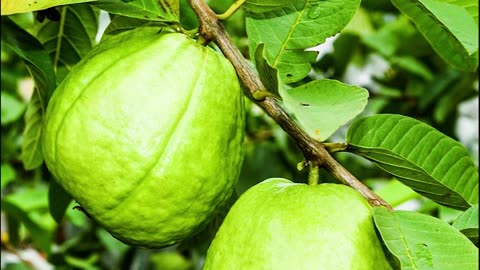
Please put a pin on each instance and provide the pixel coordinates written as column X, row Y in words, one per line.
column 281, row 225
column 146, row 135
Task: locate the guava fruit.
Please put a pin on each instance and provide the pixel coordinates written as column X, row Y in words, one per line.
column 278, row 224
column 146, row 135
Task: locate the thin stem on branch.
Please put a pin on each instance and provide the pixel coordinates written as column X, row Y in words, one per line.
column 234, row 7
column 211, row 29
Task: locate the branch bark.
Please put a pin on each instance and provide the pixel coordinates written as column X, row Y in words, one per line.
column 211, row 29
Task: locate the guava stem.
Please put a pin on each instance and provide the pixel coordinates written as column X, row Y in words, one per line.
column 212, row 29
column 231, row 10
column 191, row 33
column 313, row 175
column 201, row 40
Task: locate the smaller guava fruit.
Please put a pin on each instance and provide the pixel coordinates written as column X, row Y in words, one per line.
column 278, row 224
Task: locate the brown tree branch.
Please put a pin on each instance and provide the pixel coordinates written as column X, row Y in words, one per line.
column 211, row 29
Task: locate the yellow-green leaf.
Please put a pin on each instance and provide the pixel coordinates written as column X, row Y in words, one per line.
column 22, row 6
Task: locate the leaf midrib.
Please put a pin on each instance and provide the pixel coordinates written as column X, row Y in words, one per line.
column 284, row 44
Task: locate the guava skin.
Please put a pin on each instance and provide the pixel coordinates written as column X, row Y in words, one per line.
column 146, row 135
column 281, row 225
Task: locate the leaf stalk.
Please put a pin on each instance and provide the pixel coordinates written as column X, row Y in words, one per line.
column 231, row 10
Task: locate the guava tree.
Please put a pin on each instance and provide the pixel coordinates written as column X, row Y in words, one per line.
column 247, row 134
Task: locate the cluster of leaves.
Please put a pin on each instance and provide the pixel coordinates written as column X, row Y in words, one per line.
column 419, row 59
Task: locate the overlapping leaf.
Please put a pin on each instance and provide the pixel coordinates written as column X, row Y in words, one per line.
column 70, row 39
column 12, row 108
column 58, row 201
column 268, row 75
column 119, row 24
column 396, row 193
column 32, row 52
column 422, row 242
column 391, row 37
column 259, row 6
column 154, row 10
column 420, row 156
column 463, row 89
column 40, row 67
column 470, row 5
column 21, row 6
column 66, row 42
column 467, row 223
column 288, row 31
column 449, row 28
column 322, row 106
column 8, row 174
column 29, row 205
column 32, row 155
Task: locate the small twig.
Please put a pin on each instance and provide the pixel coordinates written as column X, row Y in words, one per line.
column 6, row 245
column 212, row 29
column 231, row 10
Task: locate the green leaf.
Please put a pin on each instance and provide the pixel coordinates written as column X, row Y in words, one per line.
column 11, row 108
column 40, row 67
column 18, row 266
column 119, row 24
column 378, row 5
column 360, row 24
column 288, row 31
column 470, row 5
column 461, row 90
column 322, row 106
column 449, row 28
column 268, row 75
column 83, row 263
column 32, row 52
column 396, row 193
column 58, row 201
column 154, row 10
column 112, row 244
column 8, row 174
column 29, row 207
column 423, row 242
column 390, row 38
column 259, row 6
column 32, row 156
column 413, row 66
column 22, row 6
column 437, row 87
column 444, row 213
column 70, row 39
column 188, row 18
column 346, row 48
column 467, row 223
column 420, row 156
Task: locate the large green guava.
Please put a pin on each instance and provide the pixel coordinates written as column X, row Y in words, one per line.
column 146, row 135
column 281, row 225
